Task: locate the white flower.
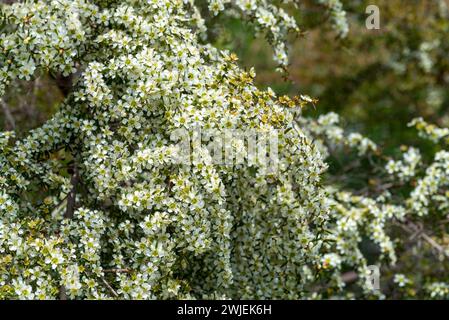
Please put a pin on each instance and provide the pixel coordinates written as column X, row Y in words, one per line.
column 401, row 280
column 27, row 70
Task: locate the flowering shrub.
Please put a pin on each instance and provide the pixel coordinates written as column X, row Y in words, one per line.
column 95, row 204
column 118, row 217
column 410, row 194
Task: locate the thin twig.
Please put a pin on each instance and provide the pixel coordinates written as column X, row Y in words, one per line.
column 418, row 231
column 114, row 293
column 117, row 270
column 60, row 203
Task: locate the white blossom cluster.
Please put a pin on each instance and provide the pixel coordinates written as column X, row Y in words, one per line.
column 330, row 135
column 338, row 16
column 428, row 188
column 405, row 169
column 268, row 18
column 438, row 290
column 145, row 226
column 354, row 217
column 430, row 131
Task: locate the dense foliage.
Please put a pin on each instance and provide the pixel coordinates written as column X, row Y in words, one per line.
column 101, row 201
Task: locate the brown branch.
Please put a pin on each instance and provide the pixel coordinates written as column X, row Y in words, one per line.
column 349, row 276
column 62, row 293
column 69, row 213
column 8, row 116
column 71, row 198
column 65, row 86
